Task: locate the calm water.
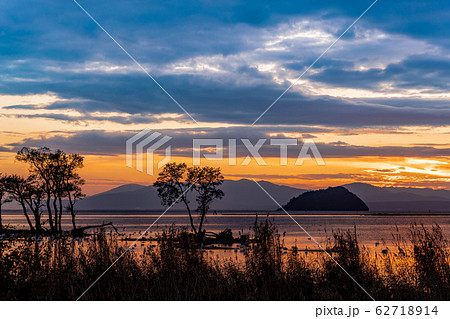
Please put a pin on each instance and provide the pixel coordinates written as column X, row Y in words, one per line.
column 375, row 232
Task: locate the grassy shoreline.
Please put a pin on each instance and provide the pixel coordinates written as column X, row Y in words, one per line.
column 176, row 269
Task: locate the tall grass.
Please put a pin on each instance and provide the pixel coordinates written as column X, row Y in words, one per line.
column 176, row 269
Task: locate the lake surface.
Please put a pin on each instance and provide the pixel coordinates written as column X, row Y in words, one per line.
column 374, row 231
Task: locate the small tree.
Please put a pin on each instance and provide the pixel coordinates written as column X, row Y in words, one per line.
column 67, row 183
column 41, row 165
column 175, row 181
column 71, row 182
column 172, row 185
column 59, row 180
column 34, row 196
column 206, row 181
column 18, row 188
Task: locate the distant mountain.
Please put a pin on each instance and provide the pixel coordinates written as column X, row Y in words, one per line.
column 330, row 199
column 125, row 188
column 245, row 195
column 401, row 198
column 242, row 195
column 126, row 197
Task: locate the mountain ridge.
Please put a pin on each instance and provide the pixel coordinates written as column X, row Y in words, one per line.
column 245, row 195
column 241, row 195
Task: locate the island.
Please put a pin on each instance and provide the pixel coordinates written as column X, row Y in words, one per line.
column 330, row 199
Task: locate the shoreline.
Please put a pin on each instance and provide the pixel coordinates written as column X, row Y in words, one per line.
column 261, row 213
column 345, row 214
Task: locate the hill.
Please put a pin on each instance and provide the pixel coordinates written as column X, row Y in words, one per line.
column 330, row 199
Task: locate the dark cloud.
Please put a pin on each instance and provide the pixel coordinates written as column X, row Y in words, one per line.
column 209, row 100
column 87, row 143
column 414, row 72
column 47, row 44
column 192, row 27
column 84, row 119
column 329, row 111
column 113, row 143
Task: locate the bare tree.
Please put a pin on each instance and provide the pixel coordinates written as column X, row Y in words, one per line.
column 175, row 181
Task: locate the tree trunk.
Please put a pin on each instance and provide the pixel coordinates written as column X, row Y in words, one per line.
column 49, row 210
column 200, row 234
column 80, row 231
column 183, row 198
column 1, row 225
column 72, row 209
column 37, row 220
column 202, row 217
column 60, row 213
column 35, row 209
column 72, row 212
column 26, row 216
column 73, row 219
column 55, row 209
column 190, row 215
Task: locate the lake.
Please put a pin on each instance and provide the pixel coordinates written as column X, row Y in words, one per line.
column 374, row 231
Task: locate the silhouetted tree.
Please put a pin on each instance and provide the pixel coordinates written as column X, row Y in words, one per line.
column 206, row 181
column 172, row 185
column 4, row 198
column 59, row 180
column 18, row 188
column 41, row 165
column 71, row 182
column 34, row 197
column 175, row 181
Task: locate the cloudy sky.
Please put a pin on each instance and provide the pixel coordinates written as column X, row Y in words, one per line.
column 377, row 103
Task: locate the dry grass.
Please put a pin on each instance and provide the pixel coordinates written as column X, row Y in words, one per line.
column 62, row 269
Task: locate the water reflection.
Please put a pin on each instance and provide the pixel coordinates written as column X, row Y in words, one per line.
column 378, row 233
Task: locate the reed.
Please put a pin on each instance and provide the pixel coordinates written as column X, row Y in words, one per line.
column 418, row 268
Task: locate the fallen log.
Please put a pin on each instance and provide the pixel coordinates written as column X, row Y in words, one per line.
column 79, row 232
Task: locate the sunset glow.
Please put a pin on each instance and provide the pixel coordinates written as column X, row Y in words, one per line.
column 376, row 105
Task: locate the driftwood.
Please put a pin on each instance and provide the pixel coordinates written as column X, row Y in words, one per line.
column 79, row 232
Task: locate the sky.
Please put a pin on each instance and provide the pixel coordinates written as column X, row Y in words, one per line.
column 377, row 103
